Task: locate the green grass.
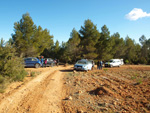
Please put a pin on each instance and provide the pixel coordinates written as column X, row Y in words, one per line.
column 2, row 88
column 1, row 79
column 4, row 84
column 105, row 70
column 139, row 81
column 33, row 74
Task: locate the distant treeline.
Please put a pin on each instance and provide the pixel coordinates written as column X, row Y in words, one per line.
column 89, row 43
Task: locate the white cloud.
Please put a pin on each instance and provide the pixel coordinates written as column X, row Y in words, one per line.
column 136, row 14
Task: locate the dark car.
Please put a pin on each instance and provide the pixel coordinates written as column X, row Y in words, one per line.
column 32, row 62
column 50, row 62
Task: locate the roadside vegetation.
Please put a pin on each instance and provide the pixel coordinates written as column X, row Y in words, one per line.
column 11, row 66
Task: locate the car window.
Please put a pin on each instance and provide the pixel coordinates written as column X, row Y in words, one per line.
column 49, row 59
column 110, row 60
column 28, row 59
column 81, row 62
column 34, row 59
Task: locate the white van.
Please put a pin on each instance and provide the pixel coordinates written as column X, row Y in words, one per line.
column 114, row 63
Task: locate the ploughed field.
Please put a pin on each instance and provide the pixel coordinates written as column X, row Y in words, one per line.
column 124, row 90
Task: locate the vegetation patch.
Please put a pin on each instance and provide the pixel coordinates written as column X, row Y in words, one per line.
column 11, row 66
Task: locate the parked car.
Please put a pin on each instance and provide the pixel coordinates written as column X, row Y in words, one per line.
column 114, row 63
column 32, row 62
column 83, row 65
column 50, row 62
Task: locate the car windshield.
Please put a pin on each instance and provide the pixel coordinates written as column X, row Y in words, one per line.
column 30, row 59
column 49, row 59
column 110, row 60
column 81, row 62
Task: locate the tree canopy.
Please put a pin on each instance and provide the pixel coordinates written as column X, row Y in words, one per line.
column 89, row 36
column 29, row 39
column 88, row 43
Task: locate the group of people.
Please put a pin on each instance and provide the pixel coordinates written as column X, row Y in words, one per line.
column 43, row 61
column 99, row 64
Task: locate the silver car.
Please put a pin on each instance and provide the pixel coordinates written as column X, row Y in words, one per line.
column 83, row 65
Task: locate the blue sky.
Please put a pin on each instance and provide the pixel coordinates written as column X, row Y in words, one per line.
column 128, row 17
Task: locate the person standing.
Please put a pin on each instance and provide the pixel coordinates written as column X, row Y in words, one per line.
column 98, row 65
column 45, row 62
column 57, row 62
column 101, row 64
column 92, row 65
column 42, row 60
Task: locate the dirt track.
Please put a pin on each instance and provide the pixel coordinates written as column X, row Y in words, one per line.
column 40, row 95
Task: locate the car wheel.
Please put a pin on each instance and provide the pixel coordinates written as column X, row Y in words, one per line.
column 37, row 65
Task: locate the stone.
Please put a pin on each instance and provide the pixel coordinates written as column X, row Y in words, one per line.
column 69, row 98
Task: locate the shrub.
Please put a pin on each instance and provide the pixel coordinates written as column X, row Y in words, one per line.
column 14, row 69
column 1, row 79
column 11, row 66
column 105, row 70
column 127, row 61
column 33, row 74
column 20, row 76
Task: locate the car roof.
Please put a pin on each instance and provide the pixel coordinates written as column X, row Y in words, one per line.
column 30, row 58
column 115, row 59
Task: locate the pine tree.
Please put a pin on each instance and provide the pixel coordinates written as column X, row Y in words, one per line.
column 73, row 50
column 130, row 53
column 89, row 38
column 28, row 39
column 145, row 50
column 103, row 45
column 56, row 49
column 118, row 46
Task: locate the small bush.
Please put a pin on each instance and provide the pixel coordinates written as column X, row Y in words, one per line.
column 20, row 76
column 127, row 61
column 139, row 81
column 105, row 70
column 133, row 77
column 14, row 69
column 11, row 67
column 1, row 79
column 33, row 74
column 3, row 85
column 2, row 90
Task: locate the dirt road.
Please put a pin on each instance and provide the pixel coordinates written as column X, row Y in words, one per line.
column 40, row 95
